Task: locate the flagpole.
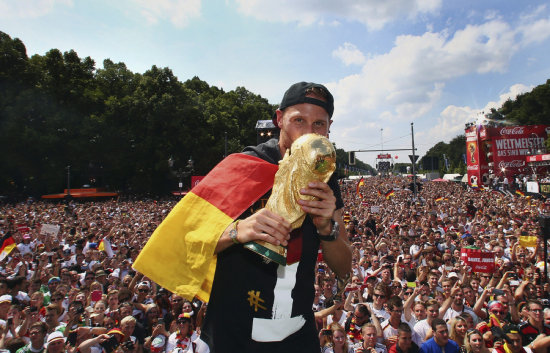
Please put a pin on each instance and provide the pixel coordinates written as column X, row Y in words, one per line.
column 415, row 191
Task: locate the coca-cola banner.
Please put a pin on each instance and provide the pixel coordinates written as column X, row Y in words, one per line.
column 478, row 260
column 512, row 144
column 472, row 156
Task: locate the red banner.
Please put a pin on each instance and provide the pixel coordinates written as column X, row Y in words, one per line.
column 195, row 179
column 478, row 260
column 511, row 145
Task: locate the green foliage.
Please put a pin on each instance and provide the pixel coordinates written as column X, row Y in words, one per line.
column 115, row 128
column 530, row 108
column 453, row 151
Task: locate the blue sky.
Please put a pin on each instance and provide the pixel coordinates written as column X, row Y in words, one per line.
column 389, row 63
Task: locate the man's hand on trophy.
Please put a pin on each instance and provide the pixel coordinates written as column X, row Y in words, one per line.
column 321, row 209
column 264, row 225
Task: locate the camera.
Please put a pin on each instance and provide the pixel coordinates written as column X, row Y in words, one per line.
column 110, row 344
column 128, row 345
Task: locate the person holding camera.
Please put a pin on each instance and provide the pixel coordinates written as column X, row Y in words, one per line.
column 185, row 339
column 105, row 343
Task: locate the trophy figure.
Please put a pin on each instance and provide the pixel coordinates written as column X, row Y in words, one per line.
column 310, row 158
column 472, row 150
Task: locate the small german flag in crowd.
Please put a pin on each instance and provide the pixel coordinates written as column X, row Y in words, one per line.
column 438, row 199
column 390, row 194
column 520, row 193
column 359, row 184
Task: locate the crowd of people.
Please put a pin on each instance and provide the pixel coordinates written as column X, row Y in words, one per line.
column 75, row 290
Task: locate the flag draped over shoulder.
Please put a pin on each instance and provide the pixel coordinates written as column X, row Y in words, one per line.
column 6, row 246
column 180, row 254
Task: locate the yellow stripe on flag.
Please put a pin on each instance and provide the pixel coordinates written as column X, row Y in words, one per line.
column 180, row 254
column 528, row 241
column 7, row 250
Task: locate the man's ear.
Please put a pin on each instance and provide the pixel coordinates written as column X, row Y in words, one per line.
column 279, row 118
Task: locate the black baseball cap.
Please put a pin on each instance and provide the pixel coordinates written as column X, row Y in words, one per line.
column 297, row 94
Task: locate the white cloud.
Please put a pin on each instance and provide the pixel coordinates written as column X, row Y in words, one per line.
column 410, row 78
column 452, row 119
column 30, row 8
column 374, row 14
column 408, row 81
column 349, row 54
column 178, row 12
column 512, row 93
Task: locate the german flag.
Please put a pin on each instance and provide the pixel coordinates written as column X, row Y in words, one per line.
column 359, row 184
column 520, row 193
column 6, row 246
column 528, row 241
column 438, row 199
column 179, row 256
column 347, row 218
column 379, row 193
column 389, row 194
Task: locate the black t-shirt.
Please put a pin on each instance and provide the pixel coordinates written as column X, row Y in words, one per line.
column 244, row 287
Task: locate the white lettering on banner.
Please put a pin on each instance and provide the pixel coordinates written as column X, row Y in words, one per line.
column 516, row 130
column 281, row 325
column 473, row 167
column 519, row 143
column 516, row 163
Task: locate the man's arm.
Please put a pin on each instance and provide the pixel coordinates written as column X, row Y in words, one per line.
column 262, row 225
column 337, row 254
column 322, row 210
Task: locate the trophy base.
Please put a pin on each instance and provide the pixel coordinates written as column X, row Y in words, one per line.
column 268, row 251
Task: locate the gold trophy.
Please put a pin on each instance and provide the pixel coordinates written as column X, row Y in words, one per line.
column 310, row 158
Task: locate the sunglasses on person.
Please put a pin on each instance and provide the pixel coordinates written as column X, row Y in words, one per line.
column 143, row 290
column 382, row 296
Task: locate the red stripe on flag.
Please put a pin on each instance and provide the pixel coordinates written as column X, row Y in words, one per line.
column 224, row 182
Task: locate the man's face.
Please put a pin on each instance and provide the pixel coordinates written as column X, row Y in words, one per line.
column 301, row 119
column 395, row 313
column 535, row 313
column 433, row 311
column 360, row 318
column 404, row 340
column 56, row 346
column 446, row 287
column 50, row 317
column 379, row 298
column 514, row 342
column 459, row 297
column 433, row 281
column 369, row 336
column 441, row 335
column 37, row 337
column 4, row 308
column 468, row 293
column 420, row 312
